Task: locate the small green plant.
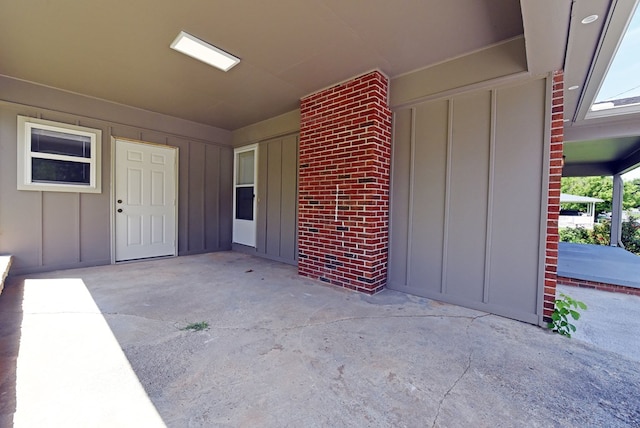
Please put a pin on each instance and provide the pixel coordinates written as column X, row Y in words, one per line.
column 197, row 326
column 565, row 307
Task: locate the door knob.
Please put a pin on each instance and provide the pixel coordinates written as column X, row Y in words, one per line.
column 119, row 210
column 119, row 201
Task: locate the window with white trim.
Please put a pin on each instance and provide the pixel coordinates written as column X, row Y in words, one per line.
column 58, row 157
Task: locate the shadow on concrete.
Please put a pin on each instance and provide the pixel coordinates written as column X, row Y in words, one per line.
column 11, row 316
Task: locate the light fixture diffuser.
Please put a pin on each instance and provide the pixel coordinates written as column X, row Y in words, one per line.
column 203, row 51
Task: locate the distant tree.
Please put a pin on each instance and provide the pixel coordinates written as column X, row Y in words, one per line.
column 602, row 188
column 594, row 187
column 631, row 194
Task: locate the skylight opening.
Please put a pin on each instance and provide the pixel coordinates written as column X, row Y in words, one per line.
column 199, row 49
column 620, row 89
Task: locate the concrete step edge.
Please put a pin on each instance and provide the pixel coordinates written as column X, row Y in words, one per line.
column 5, row 264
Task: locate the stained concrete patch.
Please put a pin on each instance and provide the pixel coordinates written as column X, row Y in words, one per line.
column 285, row 351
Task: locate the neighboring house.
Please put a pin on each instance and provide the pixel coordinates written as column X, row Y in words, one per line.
column 578, row 219
column 441, row 179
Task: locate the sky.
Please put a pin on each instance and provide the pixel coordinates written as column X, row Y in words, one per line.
column 623, row 78
column 632, row 174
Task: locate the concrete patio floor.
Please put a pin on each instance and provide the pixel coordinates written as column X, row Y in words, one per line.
column 611, row 321
column 283, row 351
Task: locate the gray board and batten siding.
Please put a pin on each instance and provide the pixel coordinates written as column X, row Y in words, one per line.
column 277, row 190
column 46, row 231
column 277, row 207
column 277, row 225
column 467, row 179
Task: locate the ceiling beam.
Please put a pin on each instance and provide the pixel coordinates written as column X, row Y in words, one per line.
column 592, row 169
column 629, row 162
column 546, row 28
column 604, row 128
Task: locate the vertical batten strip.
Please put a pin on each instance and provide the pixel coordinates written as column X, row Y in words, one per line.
column 447, row 199
column 392, row 169
column 205, row 188
column 201, row 196
column 217, row 199
column 412, row 166
column 79, row 229
column 491, row 178
column 41, row 230
column 187, row 199
column 282, row 192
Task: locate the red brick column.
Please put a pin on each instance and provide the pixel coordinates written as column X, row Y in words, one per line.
column 553, row 196
column 343, row 199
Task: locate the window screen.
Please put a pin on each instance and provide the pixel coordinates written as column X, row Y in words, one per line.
column 244, row 203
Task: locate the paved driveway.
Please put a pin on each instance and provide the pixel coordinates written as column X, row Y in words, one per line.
column 611, row 321
column 106, row 346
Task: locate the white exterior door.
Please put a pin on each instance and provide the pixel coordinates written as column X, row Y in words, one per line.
column 244, row 195
column 145, row 200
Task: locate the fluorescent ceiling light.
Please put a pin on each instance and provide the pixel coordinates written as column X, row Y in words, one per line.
column 203, row 51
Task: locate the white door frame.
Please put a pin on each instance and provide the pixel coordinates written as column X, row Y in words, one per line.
column 112, row 195
column 236, row 152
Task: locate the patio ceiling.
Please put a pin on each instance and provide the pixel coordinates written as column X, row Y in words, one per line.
column 608, row 144
column 119, row 50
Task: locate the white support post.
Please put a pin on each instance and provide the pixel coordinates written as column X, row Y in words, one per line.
column 616, row 211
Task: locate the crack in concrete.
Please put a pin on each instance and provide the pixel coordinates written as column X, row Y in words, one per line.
column 142, row 317
column 340, row 320
column 346, row 319
column 466, row 369
column 295, row 327
column 446, row 394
